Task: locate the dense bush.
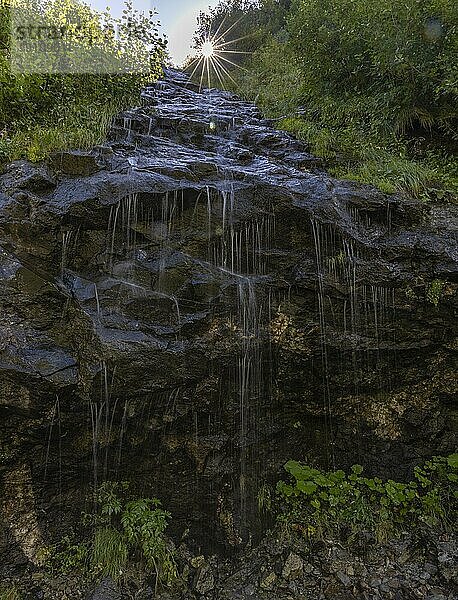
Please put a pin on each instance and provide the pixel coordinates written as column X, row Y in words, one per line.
column 121, row 530
column 43, row 112
column 371, row 86
column 315, row 503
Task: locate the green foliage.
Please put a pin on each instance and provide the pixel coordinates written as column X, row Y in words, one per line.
column 109, row 552
column 315, row 502
column 108, row 497
column 137, row 525
column 40, row 113
column 398, row 57
column 371, row 87
column 10, row 593
column 123, row 529
column 82, row 129
column 144, row 524
column 434, row 291
column 67, row 556
column 358, row 157
column 265, row 498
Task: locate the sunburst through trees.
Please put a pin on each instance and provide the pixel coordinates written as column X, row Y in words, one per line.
column 215, row 54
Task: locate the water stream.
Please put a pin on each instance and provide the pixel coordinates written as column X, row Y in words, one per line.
column 202, row 309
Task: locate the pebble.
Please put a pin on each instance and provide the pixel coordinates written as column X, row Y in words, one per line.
column 343, row 578
column 430, row 568
column 293, row 567
column 268, row 582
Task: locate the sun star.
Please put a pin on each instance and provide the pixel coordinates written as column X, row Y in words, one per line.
column 212, row 56
column 207, row 49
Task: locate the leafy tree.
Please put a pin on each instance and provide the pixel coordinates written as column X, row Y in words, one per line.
column 397, row 60
column 371, row 86
column 109, row 72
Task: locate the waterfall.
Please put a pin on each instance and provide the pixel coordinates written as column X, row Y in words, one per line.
column 364, row 318
column 102, row 411
column 68, row 244
column 249, row 387
column 320, row 242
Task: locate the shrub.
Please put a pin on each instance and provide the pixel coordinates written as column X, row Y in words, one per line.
column 314, row 502
column 122, row 530
column 10, row 593
column 144, row 524
column 392, row 64
column 40, row 113
column 138, row 525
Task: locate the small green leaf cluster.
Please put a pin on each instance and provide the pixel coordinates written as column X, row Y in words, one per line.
column 434, row 291
column 67, row 556
column 316, row 501
column 137, row 526
column 144, row 523
column 121, row 529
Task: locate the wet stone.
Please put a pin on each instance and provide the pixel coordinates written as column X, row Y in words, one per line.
column 293, row 567
column 74, row 163
column 436, row 594
column 344, row 579
column 268, row 582
column 106, row 590
column 205, row 581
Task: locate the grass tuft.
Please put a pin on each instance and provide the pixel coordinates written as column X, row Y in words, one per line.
column 81, row 127
column 10, row 593
column 351, row 155
column 109, row 554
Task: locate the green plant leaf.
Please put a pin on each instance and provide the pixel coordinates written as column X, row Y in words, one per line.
column 452, row 461
column 307, row 487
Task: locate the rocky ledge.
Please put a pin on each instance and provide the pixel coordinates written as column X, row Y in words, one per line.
column 195, row 302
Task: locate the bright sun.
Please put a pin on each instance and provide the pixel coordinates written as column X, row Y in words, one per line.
column 208, row 49
column 213, row 56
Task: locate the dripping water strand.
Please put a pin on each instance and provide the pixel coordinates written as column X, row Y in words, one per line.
column 319, row 245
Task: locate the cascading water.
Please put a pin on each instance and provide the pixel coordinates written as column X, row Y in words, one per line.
column 239, row 250
column 321, row 243
column 207, row 334
column 69, row 242
column 365, row 317
column 249, row 389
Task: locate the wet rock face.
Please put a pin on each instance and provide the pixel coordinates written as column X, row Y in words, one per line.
column 195, row 302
